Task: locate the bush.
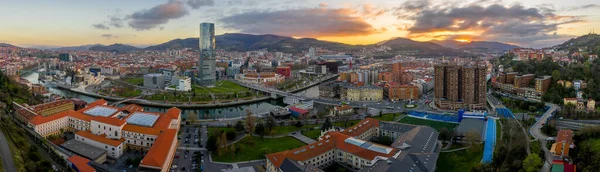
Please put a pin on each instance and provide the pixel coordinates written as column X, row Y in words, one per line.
column 231, row 135
column 298, row 124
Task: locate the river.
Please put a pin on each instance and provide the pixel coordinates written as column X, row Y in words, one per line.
column 203, row 113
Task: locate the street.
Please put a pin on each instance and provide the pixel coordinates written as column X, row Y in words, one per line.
column 537, row 133
column 7, row 160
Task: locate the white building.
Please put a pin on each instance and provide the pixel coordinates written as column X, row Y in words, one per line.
column 185, row 84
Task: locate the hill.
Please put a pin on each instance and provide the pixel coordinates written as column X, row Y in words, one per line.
column 6, row 45
column 248, row 42
column 404, row 46
column 589, row 43
column 75, row 48
column 490, row 45
column 118, row 48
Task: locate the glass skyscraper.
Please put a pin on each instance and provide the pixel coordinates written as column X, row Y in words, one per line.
column 207, row 62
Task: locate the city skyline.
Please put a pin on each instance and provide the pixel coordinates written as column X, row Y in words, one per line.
column 69, row 23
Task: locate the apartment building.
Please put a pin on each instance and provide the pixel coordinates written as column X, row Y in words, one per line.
column 397, row 92
column 460, row 87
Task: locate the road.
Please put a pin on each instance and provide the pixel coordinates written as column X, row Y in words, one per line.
column 537, row 133
column 7, row 161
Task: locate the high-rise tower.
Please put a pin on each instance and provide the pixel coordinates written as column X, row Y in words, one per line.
column 207, row 62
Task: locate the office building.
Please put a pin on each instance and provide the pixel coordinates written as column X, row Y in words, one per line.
column 65, row 57
column 460, row 87
column 207, row 63
column 154, row 81
column 285, row 71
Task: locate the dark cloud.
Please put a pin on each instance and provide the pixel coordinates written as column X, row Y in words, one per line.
column 195, row 4
column 582, row 7
column 100, row 26
column 161, row 14
column 314, row 22
column 116, row 22
column 499, row 22
column 109, row 36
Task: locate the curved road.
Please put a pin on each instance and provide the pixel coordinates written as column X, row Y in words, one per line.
column 537, row 133
column 7, row 161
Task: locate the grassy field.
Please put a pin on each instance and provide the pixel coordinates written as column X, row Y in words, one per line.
column 459, row 161
column 341, row 124
column 284, row 130
column 134, row 81
column 221, row 87
column 253, row 148
column 387, row 117
column 434, row 124
column 313, row 134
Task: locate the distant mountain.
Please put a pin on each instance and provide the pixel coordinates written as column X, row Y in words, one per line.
column 588, row 43
column 75, row 48
column 118, row 48
column 494, row 46
column 6, row 45
column 247, row 42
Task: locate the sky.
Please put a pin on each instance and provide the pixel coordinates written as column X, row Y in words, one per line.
column 531, row 23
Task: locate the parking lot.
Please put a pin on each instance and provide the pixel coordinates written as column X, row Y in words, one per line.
column 190, row 155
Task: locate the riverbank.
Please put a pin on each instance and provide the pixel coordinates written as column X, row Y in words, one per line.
column 186, row 106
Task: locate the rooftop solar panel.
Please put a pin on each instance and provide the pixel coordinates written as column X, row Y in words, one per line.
column 100, row 111
column 142, row 119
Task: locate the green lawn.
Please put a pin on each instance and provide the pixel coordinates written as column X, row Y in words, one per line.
column 313, row 134
column 130, row 93
column 253, row 148
column 219, row 129
column 387, row 117
column 221, row 87
column 434, row 124
column 459, row 161
column 279, row 130
column 350, row 123
column 134, row 81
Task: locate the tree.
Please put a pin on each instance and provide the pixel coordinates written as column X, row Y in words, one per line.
column 260, row 130
column 556, row 75
column 192, row 117
column 381, row 114
column 472, row 138
column 532, row 163
column 445, row 134
column 211, row 143
column 326, row 125
column 271, row 123
column 239, row 126
column 231, row 135
column 222, row 144
column 250, row 121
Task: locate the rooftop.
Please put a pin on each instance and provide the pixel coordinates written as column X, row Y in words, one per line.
column 142, row 119
column 81, row 163
column 83, row 149
column 100, row 138
column 157, row 155
column 101, row 110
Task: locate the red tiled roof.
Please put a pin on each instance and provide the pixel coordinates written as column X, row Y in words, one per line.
column 174, row 113
column 79, row 115
column 99, row 102
column 335, row 140
column 141, row 129
column 39, row 119
column 100, row 138
column 108, row 120
column 361, row 127
column 159, row 153
column 41, row 107
column 81, row 163
column 133, row 108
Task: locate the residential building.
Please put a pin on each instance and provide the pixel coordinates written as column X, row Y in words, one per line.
column 364, row 93
column 564, row 141
column 523, row 80
column 284, row 71
column 591, row 105
column 65, row 57
column 460, row 87
column 542, row 84
column 397, row 92
column 207, row 62
column 342, row 110
column 413, row 147
column 572, row 101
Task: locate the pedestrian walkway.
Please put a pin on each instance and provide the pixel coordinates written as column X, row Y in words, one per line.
column 302, row 138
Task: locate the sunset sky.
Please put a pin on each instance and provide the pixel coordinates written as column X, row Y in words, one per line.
column 532, row 23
